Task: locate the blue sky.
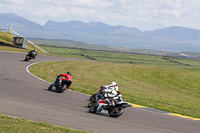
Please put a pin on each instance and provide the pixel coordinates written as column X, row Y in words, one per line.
column 142, row 14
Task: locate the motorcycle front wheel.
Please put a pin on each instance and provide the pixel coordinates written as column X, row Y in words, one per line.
column 26, row 58
column 92, row 97
column 50, row 87
column 92, row 109
column 91, row 103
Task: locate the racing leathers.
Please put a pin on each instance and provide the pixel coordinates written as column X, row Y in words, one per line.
column 67, row 79
column 108, row 92
column 33, row 53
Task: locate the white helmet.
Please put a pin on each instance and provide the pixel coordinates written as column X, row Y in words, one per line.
column 113, row 83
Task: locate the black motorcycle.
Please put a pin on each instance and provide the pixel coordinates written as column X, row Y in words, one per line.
column 59, row 85
column 31, row 55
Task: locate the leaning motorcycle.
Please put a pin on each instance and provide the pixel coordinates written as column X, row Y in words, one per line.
column 58, row 85
column 95, row 97
column 30, row 56
column 115, row 109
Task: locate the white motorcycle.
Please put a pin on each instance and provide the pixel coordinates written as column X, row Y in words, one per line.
column 114, row 109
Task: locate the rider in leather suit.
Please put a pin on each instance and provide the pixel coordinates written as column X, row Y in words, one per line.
column 33, row 53
column 108, row 91
column 67, row 80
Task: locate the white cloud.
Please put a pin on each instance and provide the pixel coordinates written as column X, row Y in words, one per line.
column 91, row 3
column 14, row 2
column 143, row 14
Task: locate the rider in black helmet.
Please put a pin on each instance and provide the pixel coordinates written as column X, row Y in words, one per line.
column 67, row 80
column 33, row 53
column 69, row 73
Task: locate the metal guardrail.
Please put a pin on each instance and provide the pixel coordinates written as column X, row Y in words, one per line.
column 15, row 33
column 38, row 47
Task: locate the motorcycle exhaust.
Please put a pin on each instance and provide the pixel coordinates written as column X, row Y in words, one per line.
column 126, row 105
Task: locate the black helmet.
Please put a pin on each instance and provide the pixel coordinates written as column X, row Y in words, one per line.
column 69, row 73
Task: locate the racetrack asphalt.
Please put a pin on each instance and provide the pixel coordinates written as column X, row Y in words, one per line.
column 24, row 96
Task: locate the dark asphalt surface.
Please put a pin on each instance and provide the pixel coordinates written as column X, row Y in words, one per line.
column 24, row 96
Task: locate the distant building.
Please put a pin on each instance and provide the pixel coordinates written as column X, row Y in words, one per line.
column 20, row 41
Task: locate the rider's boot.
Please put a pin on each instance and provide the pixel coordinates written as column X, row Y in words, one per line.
column 98, row 107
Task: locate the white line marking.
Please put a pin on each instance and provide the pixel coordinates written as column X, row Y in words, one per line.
column 13, row 116
column 27, row 70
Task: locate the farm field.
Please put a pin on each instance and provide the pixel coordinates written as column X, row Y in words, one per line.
column 116, row 57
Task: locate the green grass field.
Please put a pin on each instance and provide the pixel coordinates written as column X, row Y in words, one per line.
column 171, row 89
column 166, row 83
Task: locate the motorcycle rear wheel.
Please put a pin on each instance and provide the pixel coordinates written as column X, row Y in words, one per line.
column 62, row 89
column 119, row 112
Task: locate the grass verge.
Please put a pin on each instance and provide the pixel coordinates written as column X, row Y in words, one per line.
column 6, row 37
column 16, row 49
column 6, row 44
column 12, row 125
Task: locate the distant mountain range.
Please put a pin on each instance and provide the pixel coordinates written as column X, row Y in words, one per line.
column 173, row 38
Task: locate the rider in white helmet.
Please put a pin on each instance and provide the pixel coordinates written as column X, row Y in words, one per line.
column 114, row 85
column 108, row 91
column 112, row 88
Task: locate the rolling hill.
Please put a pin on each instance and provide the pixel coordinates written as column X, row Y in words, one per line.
column 179, row 39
